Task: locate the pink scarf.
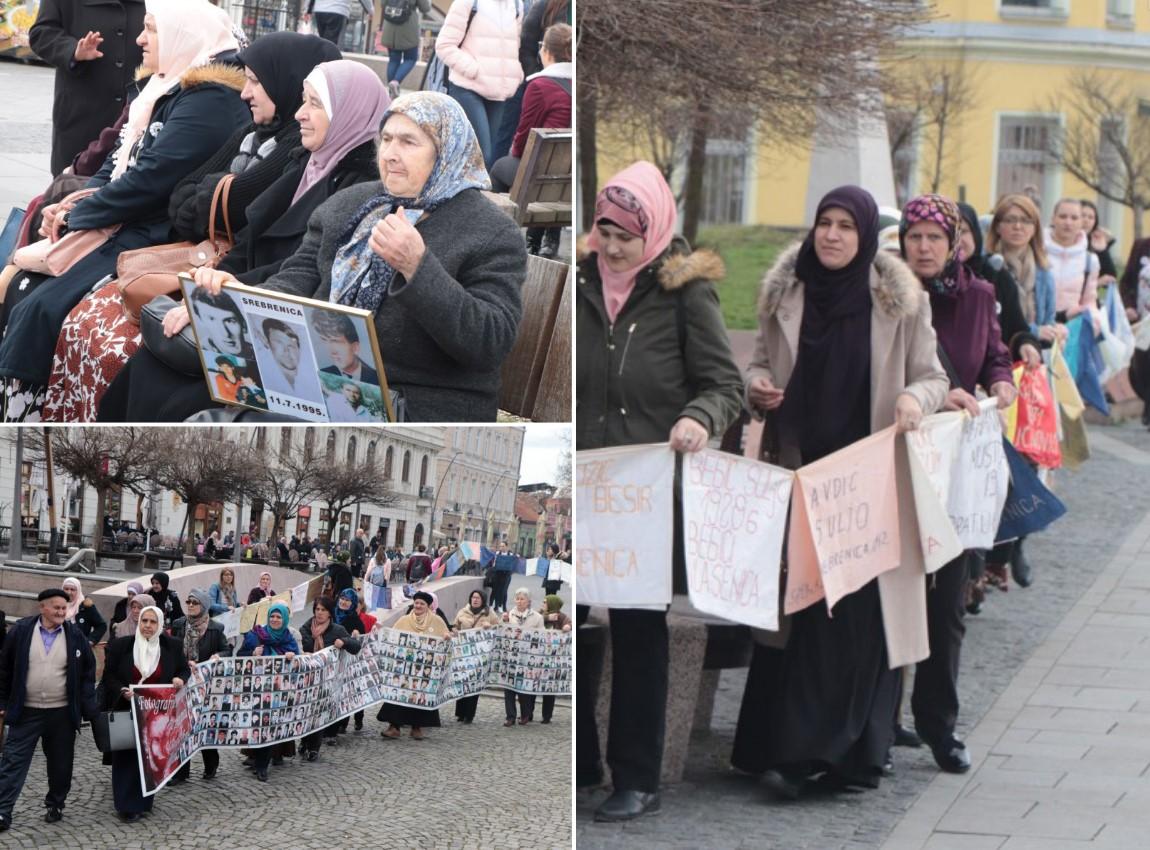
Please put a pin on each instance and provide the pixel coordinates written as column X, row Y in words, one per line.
column 645, row 207
column 190, row 33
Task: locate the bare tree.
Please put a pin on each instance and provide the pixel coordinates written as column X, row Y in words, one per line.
column 200, row 466
column 1105, row 141
column 283, row 485
column 342, row 484
column 777, row 61
column 105, row 458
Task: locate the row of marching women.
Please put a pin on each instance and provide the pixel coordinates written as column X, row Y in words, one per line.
column 276, row 164
column 48, row 674
column 852, row 340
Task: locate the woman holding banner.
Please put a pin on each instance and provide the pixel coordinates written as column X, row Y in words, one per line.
column 347, row 615
column 147, row 657
column 964, row 315
column 521, row 617
column 475, row 615
column 654, row 365
column 273, row 639
column 423, row 621
column 319, row 632
column 203, row 639
column 845, row 349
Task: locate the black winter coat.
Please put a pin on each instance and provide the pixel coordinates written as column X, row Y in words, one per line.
column 532, row 33
column 89, row 95
column 214, row 642
column 81, row 671
column 191, row 203
column 118, row 666
column 90, row 622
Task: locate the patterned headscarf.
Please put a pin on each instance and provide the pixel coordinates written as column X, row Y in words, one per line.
column 359, row 276
column 943, row 212
column 196, row 627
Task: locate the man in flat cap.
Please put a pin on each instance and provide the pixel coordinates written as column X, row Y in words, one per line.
column 47, row 686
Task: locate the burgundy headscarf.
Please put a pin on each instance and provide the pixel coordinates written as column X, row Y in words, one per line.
column 358, row 101
column 638, row 200
column 827, row 400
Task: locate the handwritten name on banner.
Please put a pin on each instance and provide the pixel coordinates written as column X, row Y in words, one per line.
column 734, row 522
column 844, row 528
column 932, row 450
column 624, row 500
column 979, row 480
column 257, row 701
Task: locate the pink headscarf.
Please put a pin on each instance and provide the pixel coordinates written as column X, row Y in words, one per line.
column 190, row 33
column 358, row 100
column 646, row 208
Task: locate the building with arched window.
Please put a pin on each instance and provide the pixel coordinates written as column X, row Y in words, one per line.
column 479, row 468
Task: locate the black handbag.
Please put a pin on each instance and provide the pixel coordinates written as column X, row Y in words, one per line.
column 177, row 352
column 114, row 731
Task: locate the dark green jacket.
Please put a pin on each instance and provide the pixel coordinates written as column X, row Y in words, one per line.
column 668, row 355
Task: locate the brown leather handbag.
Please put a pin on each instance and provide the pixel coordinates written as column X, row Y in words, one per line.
column 147, row 272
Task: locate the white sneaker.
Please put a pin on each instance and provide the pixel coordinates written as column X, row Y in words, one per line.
column 393, row 89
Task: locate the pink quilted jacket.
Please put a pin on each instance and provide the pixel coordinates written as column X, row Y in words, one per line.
column 487, row 61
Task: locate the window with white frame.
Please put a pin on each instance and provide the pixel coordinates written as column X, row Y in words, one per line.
column 1120, row 11
column 724, row 182
column 1025, row 163
column 1060, row 7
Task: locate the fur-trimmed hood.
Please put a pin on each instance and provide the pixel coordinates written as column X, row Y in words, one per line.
column 223, row 73
column 897, row 291
column 679, row 266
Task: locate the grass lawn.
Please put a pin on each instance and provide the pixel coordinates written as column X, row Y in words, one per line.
column 748, row 252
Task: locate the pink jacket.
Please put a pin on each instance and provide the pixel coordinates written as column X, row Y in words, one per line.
column 487, row 60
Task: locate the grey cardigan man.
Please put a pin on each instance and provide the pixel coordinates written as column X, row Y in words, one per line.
column 47, row 685
column 445, row 332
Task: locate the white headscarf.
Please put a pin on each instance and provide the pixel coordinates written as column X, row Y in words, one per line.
column 190, row 33
column 73, row 605
column 146, row 651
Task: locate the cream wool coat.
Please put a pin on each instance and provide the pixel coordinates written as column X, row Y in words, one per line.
column 904, row 359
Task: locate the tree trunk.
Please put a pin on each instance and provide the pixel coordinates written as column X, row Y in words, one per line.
column 139, row 510
column 101, row 504
column 696, row 166
column 588, row 152
column 189, row 519
column 938, row 155
column 1138, row 212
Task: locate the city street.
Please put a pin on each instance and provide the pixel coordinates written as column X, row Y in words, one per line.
column 1055, row 692
column 462, row 788
column 26, row 113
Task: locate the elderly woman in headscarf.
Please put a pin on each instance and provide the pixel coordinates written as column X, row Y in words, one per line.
column 120, row 612
column 147, row 657
column 83, row 612
column 476, row 614
column 421, row 621
column 202, row 639
column 131, row 620
column 222, row 594
column 845, row 348
column 438, row 266
column 262, row 589
column 521, row 616
column 185, row 112
column 964, row 313
column 555, row 619
column 654, row 366
column 273, row 639
column 318, row 633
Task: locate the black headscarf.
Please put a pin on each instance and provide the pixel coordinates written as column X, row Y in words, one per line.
column 827, row 401
column 282, row 60
column 970, row 216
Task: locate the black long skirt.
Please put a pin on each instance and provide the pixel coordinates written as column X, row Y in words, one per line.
column 126, row 791
column 826, row 702
column 405, row 715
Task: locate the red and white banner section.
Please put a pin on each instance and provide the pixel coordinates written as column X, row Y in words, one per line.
column 734, row 522
column 623, row 530
column 254, row 702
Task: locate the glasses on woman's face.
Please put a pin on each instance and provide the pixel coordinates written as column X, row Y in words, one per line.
column 1017, row 221
column 195, row 602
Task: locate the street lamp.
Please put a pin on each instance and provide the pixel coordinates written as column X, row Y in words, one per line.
column 435, row 501
column 487, row 510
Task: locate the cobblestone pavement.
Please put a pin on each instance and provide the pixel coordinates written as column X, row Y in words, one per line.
column 462, row 788
column 26, row 143
column 717, row 808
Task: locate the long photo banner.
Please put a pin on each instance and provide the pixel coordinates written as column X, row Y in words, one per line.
column 841, row 531
column 259, row 701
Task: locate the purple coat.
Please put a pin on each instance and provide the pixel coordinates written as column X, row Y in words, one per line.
column 966, row 323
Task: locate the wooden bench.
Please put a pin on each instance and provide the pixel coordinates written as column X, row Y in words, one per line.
column 541, row 193
column 536, row 376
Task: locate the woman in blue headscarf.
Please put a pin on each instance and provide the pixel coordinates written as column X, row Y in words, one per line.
column 347, row 615
column 273, row 639
column 439, row 266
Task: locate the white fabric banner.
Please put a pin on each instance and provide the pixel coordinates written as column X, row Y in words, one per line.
column 734, row 522
column 932, row 450
column 979, row 479
column 623, row 499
